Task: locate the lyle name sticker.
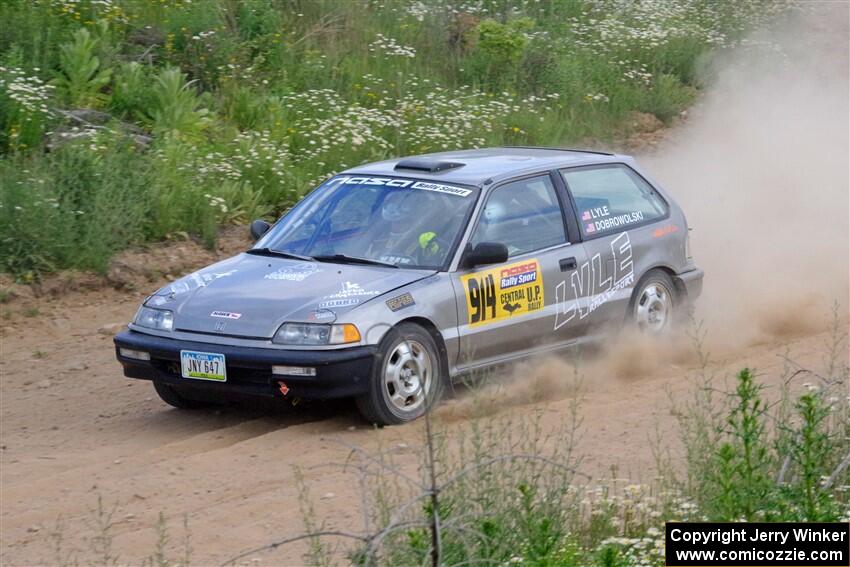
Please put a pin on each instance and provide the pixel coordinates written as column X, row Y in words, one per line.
column 502, row 292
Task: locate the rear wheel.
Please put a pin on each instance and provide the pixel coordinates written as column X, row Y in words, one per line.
column 654, row 303
column 405, row 379
column 170, row 395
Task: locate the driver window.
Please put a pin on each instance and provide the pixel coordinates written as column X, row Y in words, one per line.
column 524, row 215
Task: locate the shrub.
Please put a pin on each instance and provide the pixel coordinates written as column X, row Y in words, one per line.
column 176, row 109
column 740, row 474
column 81, row 77
column 497, row 50
column 131, row 91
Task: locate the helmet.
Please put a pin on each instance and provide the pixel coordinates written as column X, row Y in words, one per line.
column 398, row 206
column 494, row 211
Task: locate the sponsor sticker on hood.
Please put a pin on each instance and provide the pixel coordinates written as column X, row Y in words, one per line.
column 338, row 303
column 352, row 289
column 321, row 315
column 225, row 314
column 294, row 273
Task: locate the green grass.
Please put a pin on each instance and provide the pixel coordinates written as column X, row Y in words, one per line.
column 220, row 111
column 506, row 492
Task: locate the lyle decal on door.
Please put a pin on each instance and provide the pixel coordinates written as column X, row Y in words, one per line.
column 502, row 292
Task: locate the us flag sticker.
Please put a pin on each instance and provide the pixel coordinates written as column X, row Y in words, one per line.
column 585, row 216
column 590, row 228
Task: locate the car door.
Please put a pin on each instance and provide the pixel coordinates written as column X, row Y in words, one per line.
column 510, row 309
column 616, row 210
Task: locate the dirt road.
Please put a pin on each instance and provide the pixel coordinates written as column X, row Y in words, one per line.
column 74, row 430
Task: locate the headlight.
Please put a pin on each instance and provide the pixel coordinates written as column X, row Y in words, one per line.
column 314, row 334
column 159, row 319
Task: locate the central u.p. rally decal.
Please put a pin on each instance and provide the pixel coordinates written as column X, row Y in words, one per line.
column 502, row 292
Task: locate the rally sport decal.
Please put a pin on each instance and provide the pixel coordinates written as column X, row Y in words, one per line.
column 506, row 291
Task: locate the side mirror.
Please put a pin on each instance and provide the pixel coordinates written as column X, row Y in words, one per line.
column 259, row 228
column 486, row 253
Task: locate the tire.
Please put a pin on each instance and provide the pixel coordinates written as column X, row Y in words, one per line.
column 654, row 304
column 172, row 397
column 406, row 377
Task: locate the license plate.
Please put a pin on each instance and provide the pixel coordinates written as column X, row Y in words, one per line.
column 203, row 365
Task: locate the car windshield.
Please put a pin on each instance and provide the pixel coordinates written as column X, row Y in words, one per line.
column 392, row 220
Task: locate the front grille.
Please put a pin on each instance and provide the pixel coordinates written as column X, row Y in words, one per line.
column 217, row 334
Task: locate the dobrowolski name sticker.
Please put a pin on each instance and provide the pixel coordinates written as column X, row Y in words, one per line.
column 610, row 222
column 506, row 291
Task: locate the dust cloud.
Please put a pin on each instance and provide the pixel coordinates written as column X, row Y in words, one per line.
column 761, row 168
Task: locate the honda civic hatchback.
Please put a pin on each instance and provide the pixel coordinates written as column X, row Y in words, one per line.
column 393, row 278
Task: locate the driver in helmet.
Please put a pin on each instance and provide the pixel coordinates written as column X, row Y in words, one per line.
column 491, row 227
column 397, row 240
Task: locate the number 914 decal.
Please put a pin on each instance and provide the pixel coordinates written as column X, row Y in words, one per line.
column 506, row 291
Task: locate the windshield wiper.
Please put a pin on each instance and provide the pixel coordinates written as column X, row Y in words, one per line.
column 279, row 253
column 343, row 259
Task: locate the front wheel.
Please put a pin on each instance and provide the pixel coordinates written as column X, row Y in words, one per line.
column 654, row 303
column 405, row 379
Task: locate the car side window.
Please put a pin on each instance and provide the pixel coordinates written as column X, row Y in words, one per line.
column 524, row 215
column 610, row 198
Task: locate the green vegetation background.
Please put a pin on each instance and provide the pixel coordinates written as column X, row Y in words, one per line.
column 125, row 121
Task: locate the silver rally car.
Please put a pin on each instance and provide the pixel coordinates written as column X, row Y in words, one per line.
column 392, row 278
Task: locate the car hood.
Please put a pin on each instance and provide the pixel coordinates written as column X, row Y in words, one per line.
column 251, row 296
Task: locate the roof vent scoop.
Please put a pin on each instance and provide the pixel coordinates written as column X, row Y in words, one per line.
column 427, row 165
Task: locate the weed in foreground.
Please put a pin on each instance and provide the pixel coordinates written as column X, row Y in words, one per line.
column 503, row 489
column 100, row 548
column 756, row 458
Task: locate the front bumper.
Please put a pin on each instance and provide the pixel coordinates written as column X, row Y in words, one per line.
column 689, row 283
column 339, row 373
